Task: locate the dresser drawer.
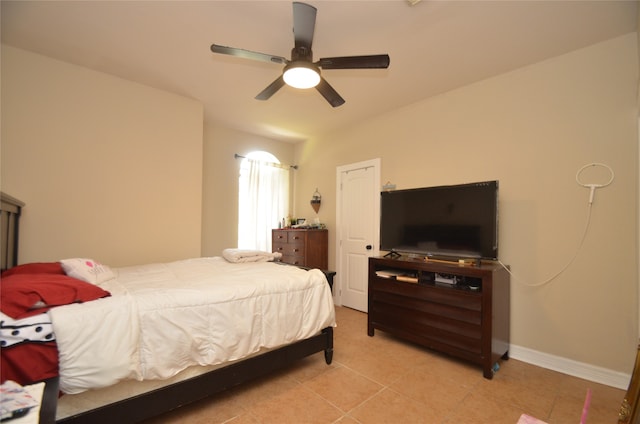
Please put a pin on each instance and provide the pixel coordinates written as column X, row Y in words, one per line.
column 293, row 259
column 279, row 237
column 279, row 247
column 294, row 250
column 384, row 301
column 429, row 293
column 295, row 237
column 289, row 249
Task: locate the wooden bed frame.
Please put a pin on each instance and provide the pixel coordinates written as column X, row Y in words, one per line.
column 165, row 399
column 168, row 398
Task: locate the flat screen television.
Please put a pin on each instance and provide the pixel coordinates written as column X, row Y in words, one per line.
column 456, row 221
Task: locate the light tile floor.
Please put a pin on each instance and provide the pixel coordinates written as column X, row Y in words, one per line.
column 381, row 379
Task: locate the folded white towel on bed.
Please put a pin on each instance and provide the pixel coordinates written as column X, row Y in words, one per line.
column 243, row 255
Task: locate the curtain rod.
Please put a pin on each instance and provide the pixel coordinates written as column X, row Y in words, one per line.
column 277, row 165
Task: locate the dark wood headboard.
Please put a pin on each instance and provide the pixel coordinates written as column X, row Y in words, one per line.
column 10, row 209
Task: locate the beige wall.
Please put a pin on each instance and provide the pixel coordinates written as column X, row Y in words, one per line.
column 220, row 188
column 108, row 168
column 531, row 129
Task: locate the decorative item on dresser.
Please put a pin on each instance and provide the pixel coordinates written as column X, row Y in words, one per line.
column 458, row 309
column 303, row 247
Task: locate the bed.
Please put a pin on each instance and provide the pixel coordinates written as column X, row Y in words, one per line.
column 115, row 359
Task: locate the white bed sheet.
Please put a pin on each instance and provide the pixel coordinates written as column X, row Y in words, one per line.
column 163, row 318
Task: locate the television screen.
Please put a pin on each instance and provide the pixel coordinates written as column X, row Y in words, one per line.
column 459, row 221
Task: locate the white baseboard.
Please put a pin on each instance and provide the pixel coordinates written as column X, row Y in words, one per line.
column 589, row 372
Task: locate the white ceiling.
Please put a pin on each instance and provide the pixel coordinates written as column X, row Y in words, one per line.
column 435, row 46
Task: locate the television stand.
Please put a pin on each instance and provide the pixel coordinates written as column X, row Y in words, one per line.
column 393, row 255
column 458, row 310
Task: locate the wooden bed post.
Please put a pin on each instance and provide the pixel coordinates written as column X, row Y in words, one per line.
column 328, row 352
column 10, row 208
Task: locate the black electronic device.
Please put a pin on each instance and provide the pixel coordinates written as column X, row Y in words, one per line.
column 455, row 221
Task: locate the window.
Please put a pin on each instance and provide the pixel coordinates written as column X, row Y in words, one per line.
column 263, row 199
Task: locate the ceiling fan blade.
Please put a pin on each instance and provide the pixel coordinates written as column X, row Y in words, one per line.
column 271, row 89
column 304, row 23
column 355, row 62
column 247, row 54
column 329, row 93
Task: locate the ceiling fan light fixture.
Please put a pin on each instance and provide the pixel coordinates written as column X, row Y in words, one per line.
column 301, row 75
column 301, row 71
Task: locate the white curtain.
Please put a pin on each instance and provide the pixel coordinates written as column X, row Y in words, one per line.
column 264, row 201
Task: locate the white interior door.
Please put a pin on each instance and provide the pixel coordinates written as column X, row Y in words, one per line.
column 358, row 217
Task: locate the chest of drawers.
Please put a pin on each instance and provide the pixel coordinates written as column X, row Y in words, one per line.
column 302, row 247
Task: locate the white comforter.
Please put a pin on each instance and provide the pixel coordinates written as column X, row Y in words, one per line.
column 163, row 318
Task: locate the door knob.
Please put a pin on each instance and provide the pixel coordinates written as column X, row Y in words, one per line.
column 369, row 247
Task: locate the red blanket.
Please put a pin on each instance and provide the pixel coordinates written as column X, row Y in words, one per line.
column 28, row 351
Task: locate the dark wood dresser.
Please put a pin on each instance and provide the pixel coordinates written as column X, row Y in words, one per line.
column 467, row 316
column 303, row 247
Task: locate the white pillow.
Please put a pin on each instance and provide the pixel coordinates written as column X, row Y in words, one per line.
column 87, row 270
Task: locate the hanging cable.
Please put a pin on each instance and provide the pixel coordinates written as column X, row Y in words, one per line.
column 592, row 187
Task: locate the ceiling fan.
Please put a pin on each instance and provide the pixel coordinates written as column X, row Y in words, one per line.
column 301, row 71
